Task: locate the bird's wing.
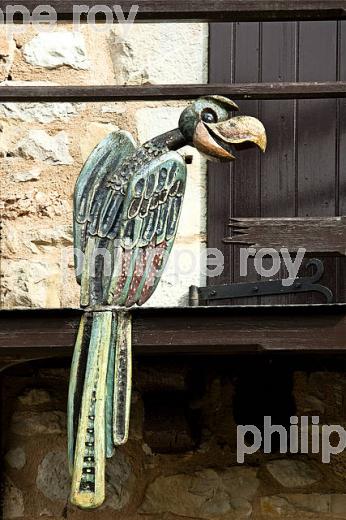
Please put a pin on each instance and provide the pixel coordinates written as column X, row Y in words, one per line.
column 91, row 191
column 150, row 220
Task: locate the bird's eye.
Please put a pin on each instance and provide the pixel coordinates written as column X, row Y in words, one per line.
column 209, row 116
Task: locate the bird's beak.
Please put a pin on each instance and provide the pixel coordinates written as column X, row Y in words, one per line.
column 215, row 139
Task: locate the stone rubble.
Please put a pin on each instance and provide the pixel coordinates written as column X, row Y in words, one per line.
column 30, row 175
column 46, row 423
column 56, row 49
column 143, row 484
column 206, row 494
column 39, row 145
column 53, row 479
column 293, row 473
column 16, row 458
column 13, row 503
column 38, row 112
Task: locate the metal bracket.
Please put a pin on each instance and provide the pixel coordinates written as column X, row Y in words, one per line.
column 199, row 295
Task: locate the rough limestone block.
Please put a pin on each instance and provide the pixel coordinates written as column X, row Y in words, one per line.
column 34, row 397
column 30, row 284
column 120, row 481
column 41, row 146
column 283, row 505
column 16, row 458
column 40, row 112
column 338, row 504
column 13, row 503
column 293, row 473
column 30, row 175
column 160, row 53
column 53, row 478
column 7, row 50
column 33, row 423
column 155, row 120
column 55, row 49
column 206, row 494
column 31, row 202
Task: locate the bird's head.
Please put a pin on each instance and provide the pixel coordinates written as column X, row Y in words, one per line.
column 208, row 125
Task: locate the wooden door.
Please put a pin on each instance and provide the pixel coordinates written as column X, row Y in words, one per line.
column 303, row 172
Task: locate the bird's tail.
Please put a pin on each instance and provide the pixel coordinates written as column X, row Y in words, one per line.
column 99, row 401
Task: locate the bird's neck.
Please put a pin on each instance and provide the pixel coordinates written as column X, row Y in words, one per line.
column 173, row 140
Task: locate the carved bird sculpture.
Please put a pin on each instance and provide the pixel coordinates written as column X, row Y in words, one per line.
column 127, row 204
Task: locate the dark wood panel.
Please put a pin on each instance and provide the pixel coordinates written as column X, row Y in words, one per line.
column 219, row 178
column 246, row 178
column 213, row 10
column 99, row 93
column 316, row 134
column 341, row 156
column 303, row 171
column 316, row 122
column 341, row 202
column 325, row 235
column 278, row 63
column 39, row 334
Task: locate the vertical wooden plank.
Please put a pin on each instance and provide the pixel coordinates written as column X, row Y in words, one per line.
column 278, row 164
column 220, row 52
column 246, row 182
column 220, row 71
column 316, row 132
column 341, row 158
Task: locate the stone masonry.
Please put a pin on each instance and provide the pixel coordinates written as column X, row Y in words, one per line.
column 154, row 477
column 43, row 147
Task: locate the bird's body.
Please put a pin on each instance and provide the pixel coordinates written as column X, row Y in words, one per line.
column 121, row 212
column 127, row 205
column 126, row 219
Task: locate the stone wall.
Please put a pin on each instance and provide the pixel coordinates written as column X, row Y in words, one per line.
column 180, row 461
column 43, row 147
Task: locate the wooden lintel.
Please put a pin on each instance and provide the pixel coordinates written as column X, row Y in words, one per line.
column 325, row 235
column 41, row 334
column 194, row 10
column 238, row 91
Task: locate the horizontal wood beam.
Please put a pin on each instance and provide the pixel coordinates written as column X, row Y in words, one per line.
column 325, row 235
column 203, row 10
column 40, row 334
column 165, row 92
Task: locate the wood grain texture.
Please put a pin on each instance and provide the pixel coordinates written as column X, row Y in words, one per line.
column 340, row 174
column 325, row 235
column 246, row 178
column 41, row 334
column 317, row 139
column 219, row 178
column 213, row 10
column 278, row 166
column 302, row 173
column 99, row 93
